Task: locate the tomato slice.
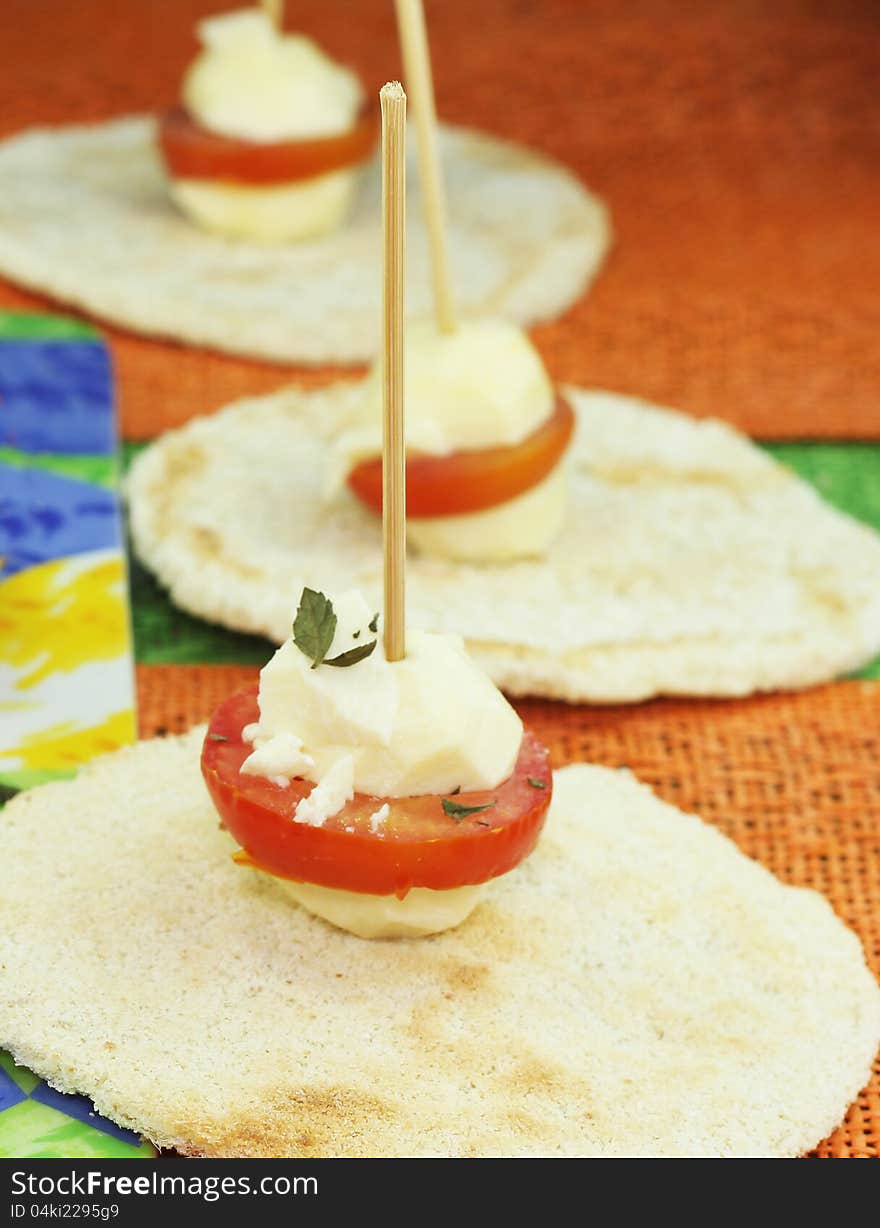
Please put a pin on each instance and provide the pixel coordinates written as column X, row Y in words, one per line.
column 193, row 152
column 419, row 845
column 472, row 481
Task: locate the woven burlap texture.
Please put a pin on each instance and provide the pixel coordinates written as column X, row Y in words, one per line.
column 733, row 144
column 793, row 779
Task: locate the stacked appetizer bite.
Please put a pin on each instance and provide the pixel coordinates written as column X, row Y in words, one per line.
column 269, row 135
column 384, row 794
column 486, row 432
column 487, row 436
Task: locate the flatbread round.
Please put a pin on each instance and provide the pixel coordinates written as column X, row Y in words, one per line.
column 637, row 987
column 690, row 563
column 85, row 217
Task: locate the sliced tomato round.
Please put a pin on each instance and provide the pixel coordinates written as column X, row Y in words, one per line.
column 418, row 845
column 193, row 152
column 475, row 480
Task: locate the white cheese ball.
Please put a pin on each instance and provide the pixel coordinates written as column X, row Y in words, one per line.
column 303, row 209
column 523, row 527
column 422, row 911
column 479, row 387
column 430, row 723
column 251, row 82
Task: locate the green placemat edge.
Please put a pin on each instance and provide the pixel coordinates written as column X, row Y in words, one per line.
column 34, row 326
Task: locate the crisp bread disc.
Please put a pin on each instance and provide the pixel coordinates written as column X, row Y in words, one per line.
column 690, row 563
column 636, row 987
column 85, row 218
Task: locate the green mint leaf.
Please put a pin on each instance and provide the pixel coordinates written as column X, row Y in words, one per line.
column 459, row 812
column 374, row 624
column 536, row 784
column 314, row 626
column 217, row 737
column 353, row 655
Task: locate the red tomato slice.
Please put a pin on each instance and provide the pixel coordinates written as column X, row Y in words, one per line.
column 192, row 152
column 420, row 845
column 472, row 481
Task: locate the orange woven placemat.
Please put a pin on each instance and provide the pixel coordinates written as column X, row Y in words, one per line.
column 737, row 144
column 793, row 779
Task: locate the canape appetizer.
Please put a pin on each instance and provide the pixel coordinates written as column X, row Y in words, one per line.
column 486, row 441
column 384, row 795
column 269, row 135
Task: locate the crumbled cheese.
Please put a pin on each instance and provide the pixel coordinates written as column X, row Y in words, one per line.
column 378, row 817
column 329, row 795
column 280, row 757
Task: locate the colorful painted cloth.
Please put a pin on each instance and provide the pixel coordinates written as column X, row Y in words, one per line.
column 66, row 672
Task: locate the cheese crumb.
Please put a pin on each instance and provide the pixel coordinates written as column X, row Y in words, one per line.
column 280, row 757
column 378, row 817
column 329, row 795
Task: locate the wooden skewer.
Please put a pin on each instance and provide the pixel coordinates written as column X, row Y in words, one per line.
column 419, row 82
column 274, row 10
column 393, row 103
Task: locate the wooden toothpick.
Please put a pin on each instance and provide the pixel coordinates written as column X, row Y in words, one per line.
column 420, row 84
column 274, row 10
column 393, row 103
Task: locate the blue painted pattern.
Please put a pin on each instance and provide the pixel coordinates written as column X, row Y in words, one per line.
column 10, row 1092
column 82, row 1110
column 56, row 396
column 47, row 516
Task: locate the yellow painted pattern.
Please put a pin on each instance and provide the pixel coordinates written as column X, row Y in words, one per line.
column 61, row 748
column 58, row 616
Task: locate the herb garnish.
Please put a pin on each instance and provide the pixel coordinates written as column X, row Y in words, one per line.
column 353, row 655
column 356, row 635
column 373, row 625
column 459, row 812
column 314, row 626
column 536, row 784
column 217, row 737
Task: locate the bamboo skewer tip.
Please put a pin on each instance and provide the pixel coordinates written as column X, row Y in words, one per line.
column 391, row 90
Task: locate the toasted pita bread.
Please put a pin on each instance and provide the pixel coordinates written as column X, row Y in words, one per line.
column 637, row 987
column 691, row 563
column 85, row 217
